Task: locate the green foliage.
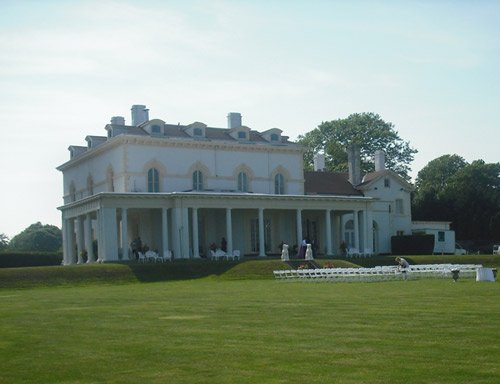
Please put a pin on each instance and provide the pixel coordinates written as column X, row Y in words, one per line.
column 468, row 195
column 370, row 132
column 4, row 241
column 10, row 259
column 252, row 331
column 37, row 238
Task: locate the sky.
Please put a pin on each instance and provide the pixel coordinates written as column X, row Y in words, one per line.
column 431, row 68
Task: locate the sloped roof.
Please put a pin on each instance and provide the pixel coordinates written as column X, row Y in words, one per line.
column 328, row 183
column 371, row 177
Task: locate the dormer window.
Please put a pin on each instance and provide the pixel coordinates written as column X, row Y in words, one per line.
column 240, row 133
column 196, row 129
column 155, row 129
column 272, row 135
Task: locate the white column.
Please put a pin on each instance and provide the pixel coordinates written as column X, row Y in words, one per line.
column 185, row 232
column 299, row 228
column 262, row 247
column 369, row 238
column 109, row 234
column 177, row 232
column 337, row 231
column 125, row 255
column 229, row 231
column 328, row 229
column 100, row 237
column 365, row 231
column 68, row 244
column 164, row 230
column 64, row 230
column 196, row 242
column 88, row 238
column 356, row 230
column 79, row 239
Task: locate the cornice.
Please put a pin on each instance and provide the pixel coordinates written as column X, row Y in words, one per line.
column 169, row 142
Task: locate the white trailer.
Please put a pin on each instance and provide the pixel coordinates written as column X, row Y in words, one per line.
column 444, row 237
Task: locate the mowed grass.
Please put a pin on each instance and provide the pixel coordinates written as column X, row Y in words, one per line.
column 211, row 330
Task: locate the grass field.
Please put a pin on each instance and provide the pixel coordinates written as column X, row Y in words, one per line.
column 214, row 330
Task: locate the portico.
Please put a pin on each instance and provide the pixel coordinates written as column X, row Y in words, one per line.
column 186, row 223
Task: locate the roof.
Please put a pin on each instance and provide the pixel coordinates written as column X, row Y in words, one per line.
column 371, row 177
column 328, row 183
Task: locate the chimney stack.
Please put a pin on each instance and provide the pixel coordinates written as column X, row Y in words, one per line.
column 319, row 162
column 354, row 162
column 234, row 120
column 118, row 120
column 379, row 160
column 140, row 114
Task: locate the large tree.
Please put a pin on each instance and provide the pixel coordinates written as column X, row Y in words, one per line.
column 37, row 237
column 370, row 132
column 4, row 241
column 430, row 185
column 468, row 195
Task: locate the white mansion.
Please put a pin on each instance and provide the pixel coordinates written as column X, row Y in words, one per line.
column 181, row 188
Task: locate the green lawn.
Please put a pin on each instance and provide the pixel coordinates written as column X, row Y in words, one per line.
column 214, row 330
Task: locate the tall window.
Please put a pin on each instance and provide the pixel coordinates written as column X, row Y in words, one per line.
column 72, row 192
column 90, row 185
column 110, row 181
column 242, row 182
column 279, row 184
column 387, row 182
column 441, row 236
column 349, row 233
column 399, row 207
column 255, row 237
column 197, row 181
column 153, row 180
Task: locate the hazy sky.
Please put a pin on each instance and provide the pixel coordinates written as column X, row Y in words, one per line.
column 432, row 68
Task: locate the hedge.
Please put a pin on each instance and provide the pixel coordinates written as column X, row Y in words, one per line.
column 29, row 259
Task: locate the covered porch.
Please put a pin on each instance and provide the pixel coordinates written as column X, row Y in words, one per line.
column 102, row 227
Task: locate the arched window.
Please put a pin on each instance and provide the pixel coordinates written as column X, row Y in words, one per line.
column 242, row 182
column 153, row 180
column 274, row 137
column 279, row 184
column 197, row 181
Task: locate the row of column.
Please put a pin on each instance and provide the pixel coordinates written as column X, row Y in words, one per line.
column 77, row 233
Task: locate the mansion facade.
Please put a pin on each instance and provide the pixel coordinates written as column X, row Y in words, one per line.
column 181, row 188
